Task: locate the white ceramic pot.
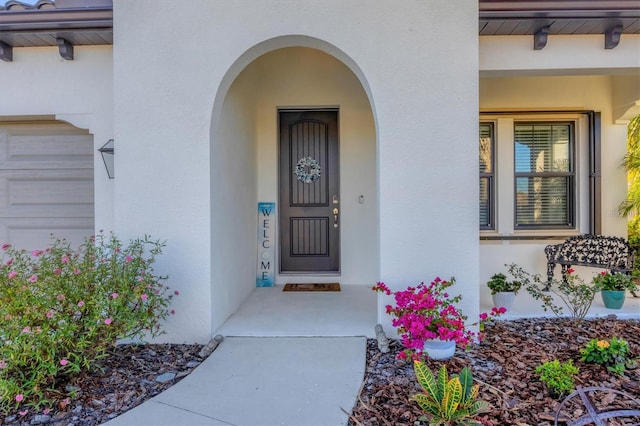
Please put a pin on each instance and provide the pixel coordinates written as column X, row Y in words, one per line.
column 504, row 299
column 439, row 349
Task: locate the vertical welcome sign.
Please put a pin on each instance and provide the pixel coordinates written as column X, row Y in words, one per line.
column 265, row 276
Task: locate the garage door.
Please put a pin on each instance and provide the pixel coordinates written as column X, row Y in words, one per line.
column 46, row 183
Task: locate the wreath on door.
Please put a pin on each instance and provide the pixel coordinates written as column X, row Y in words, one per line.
column 307, row 170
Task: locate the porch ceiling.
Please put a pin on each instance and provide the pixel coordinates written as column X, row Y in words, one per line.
column 79, row 22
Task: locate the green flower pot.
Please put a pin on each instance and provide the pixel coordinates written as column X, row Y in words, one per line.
column 613, row 299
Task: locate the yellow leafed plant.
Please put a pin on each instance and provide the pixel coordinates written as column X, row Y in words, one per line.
column 448, row 402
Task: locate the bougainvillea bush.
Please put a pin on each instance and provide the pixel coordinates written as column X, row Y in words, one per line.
column 61, row 310
column 428, row 311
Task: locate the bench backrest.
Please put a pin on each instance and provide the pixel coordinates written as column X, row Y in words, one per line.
column 596, row 250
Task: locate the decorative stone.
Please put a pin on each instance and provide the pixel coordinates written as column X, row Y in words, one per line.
column 165, row 377
column 383, row 342
column 211, row 346
column 39, row 419
column 193, row 364
column 59, row 416
column 73, row 389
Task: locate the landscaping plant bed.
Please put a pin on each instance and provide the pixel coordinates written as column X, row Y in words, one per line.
column 504, row 367
column 132, row 374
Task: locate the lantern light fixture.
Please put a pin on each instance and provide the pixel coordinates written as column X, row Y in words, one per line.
column 107, row 152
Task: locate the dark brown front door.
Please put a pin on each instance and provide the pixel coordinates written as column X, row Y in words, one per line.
column 309, row 191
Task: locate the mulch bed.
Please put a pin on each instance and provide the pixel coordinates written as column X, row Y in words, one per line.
column 504, row 366
column 132, row 374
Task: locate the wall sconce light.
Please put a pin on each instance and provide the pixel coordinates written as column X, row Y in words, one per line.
column 107, row 157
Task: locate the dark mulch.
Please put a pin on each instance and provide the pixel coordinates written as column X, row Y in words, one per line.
column 504, row 366
column 132, row 374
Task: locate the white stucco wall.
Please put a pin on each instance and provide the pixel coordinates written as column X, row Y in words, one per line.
column 626, row 96
column 563, row 55
column 40, row 83
column 164, row 104
column 233, row 200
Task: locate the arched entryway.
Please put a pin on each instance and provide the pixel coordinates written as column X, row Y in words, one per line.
column 284, row 74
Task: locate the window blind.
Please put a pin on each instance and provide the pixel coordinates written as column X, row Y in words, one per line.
column 544, row 174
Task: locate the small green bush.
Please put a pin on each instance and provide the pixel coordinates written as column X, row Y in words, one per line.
column 62, row 310
column 612, row 353
column 557, row 376
column 499, row 283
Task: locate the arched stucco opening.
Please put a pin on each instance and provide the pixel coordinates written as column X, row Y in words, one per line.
column 286, row 72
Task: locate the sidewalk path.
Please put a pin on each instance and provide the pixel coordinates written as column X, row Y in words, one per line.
column 263, row 381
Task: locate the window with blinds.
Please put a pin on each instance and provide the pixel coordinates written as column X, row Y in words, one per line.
column 487, row 181
column 544, row 175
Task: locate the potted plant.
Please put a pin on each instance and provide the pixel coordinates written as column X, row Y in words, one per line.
column 612, row 287
column 427, row 314
column 503, row 291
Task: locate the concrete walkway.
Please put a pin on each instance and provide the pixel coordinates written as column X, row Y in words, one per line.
column 263, row 381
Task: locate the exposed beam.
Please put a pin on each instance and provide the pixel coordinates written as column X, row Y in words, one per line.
column 65, row 48
column 540, row 38
column 612, row 37
column 6, row 52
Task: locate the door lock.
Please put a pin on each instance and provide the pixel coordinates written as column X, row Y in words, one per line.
column 335, row 217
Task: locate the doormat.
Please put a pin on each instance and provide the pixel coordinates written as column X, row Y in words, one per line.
column 312, row 287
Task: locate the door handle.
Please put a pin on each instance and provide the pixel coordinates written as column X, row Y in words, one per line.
column 335, row 217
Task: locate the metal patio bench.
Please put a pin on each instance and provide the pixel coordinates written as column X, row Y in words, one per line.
column 596, row 251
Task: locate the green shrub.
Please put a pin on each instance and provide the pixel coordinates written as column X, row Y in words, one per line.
column 609, row 281
column 557, row 376
column 611, row 353
column 62, row 310
column 499, row 283
column 448, row 402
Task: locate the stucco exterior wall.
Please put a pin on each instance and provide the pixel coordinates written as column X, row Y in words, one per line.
column 626, row 96
column 40, row 83
column 233, row 200
column 563, row 55
column 166, row 105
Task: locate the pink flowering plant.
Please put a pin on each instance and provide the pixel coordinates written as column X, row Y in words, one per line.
column 62, row 310
column 428, row 311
